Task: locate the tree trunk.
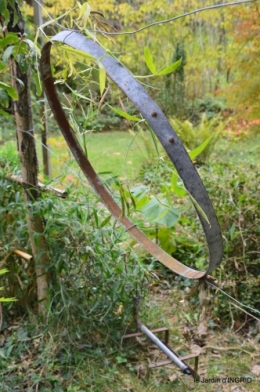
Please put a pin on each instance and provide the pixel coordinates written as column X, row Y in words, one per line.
column 38, row 21
column 29, row 165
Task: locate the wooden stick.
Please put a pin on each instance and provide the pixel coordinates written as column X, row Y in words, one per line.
column 24, row 255
column 57, row 192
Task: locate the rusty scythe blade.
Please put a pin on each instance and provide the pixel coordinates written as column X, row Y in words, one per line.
column 165, row 133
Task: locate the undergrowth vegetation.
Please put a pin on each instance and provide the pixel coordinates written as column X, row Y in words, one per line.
column 93, row 282
column 233, row 186
column 96, row 273
column 193, row 136
column 93, row 277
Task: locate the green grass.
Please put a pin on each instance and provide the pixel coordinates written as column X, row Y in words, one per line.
column 116, row 152
column 120, row 154
column 238, row 150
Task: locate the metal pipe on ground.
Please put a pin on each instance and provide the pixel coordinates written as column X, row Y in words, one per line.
column 175, row 359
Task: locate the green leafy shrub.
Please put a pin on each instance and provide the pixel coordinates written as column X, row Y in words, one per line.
column 235, row 194
column 107, row 120
column 93, row 275
column 193, row 136
column 209, row 106
column 4, row 299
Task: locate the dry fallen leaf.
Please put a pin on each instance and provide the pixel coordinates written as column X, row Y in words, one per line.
column 140, row 370
column 202, row 330
column 26, row 364
column 140, row 341
column 256, row 370
column 173, row 378
column 197, row 350
column 155, row 353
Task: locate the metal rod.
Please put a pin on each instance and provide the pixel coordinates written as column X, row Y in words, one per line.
column 182, row 365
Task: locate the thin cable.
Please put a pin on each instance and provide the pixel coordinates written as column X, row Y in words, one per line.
column 175, row 17
column 235, row 300
column 243, row 310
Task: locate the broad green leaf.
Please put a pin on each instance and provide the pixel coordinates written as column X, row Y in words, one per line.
column 102, row 78
column 23, row 63
column 194, row 153
column 6, row 16
column 175, row 187
column 170, row 68
column 14, row 13
column 11, row 38
column 3, row 4
column 3, row 113
column 159, row 211
column 141, row 202
column 139, row 194
column 10, row 90
column 170, row 218
column 3, row 271
column 167, row 240
column 4, row 98
column 124, row 114
column 7, row 53
column 149, row 60
column 32, row 45
column 139, row 191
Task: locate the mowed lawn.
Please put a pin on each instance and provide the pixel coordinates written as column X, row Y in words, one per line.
column 115, row 152
column 120, row 154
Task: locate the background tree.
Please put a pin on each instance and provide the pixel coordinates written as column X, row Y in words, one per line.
column 38, row 21
column 22, row 110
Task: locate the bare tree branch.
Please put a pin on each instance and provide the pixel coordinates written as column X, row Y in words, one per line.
column 176, row 17
column 40, row 186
